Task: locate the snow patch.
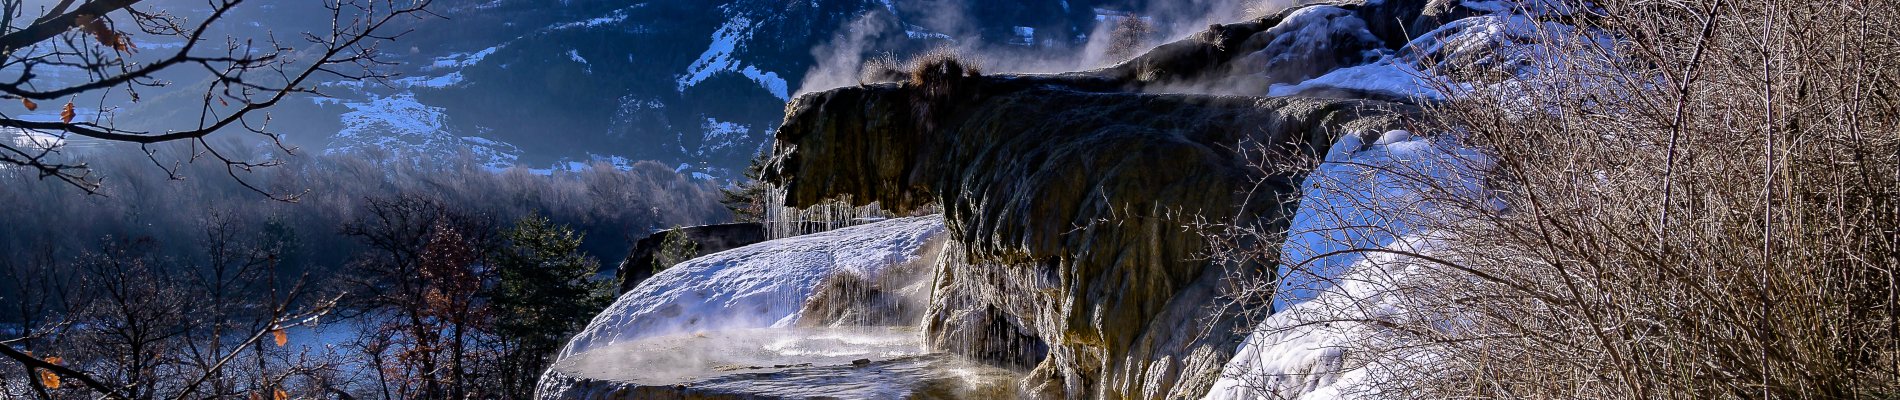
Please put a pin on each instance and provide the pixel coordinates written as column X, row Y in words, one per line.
column 575, row 55
column 770, row 81
column 719, row 57
column 461, row 60
column 1309, row 34
column 1366, row 195
column 757, row 286
column 615, row 17
column 402, row 125
column 1313, row 350
column 443, row 81
column 921, row 33
column 721, row 135
column 400, row 114
column 1509, row 44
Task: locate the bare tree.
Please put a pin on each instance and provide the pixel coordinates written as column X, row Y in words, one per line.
column 1131, row 36
column 129, row 324
column 418, row 284
column 93, row 39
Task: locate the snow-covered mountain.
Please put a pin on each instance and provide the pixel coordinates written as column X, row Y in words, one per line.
column 698, row 84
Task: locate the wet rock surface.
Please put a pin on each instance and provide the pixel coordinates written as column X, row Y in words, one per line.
column 1072, row 198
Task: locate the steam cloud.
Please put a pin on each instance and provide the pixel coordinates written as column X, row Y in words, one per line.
column 879, row 31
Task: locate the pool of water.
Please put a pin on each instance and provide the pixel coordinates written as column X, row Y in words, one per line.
column 854, row 362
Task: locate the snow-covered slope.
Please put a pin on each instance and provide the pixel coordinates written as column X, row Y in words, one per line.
column 1315, row 350
column 1365, row 196
column 757, row 286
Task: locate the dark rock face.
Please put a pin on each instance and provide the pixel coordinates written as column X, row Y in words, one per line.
column 1073, row 197
column 708, row 239
column 1073, row 208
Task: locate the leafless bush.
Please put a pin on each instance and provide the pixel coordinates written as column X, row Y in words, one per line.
column 1131, row 36
column 1693, row 199
column 1707, row 209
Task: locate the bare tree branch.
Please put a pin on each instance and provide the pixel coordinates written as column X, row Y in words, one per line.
column 244, row 76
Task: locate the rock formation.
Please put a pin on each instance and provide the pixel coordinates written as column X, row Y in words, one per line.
column 1073, row 198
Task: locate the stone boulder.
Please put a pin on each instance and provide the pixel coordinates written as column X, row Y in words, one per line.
column 706, row 239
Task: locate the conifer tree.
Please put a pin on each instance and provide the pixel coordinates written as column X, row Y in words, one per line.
column 545, row 294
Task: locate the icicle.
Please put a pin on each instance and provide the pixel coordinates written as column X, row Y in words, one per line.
column 783, row 222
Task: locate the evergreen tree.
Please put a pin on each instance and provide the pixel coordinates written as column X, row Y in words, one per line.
column 546, row 293
column 676, row 249
column 746, row 199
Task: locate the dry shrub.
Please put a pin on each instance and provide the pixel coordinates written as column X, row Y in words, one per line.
column 943, row 66
column 941, row 82
column 1700, row 199
column 1702, row 207
column 882, row 69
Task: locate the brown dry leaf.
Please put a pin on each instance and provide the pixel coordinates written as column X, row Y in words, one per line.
column 47, row 378
column 66, row 115
column 104, row 34
column 281, row 395
column 280, row 336
column 30, row 105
